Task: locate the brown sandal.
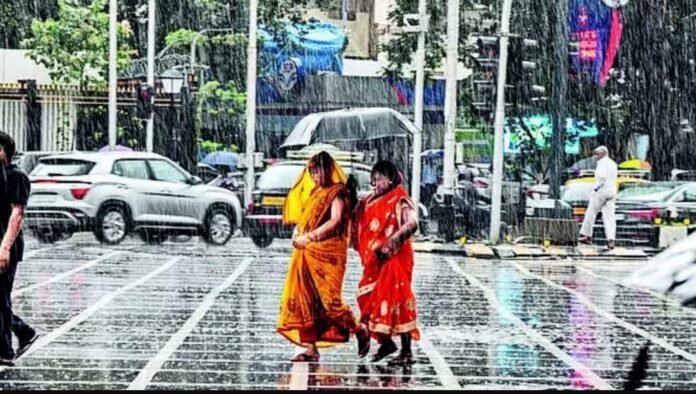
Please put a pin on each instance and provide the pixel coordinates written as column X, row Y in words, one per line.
column 306, row 357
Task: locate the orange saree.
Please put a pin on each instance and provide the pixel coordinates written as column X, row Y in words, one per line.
column 312, row 308
column 385, row 297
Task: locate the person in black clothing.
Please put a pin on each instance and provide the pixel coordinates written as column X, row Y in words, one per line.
column 466, row 198
column 14, row 194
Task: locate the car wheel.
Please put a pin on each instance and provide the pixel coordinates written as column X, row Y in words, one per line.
column 112, row 225
column 219, row 226
column 262, row 241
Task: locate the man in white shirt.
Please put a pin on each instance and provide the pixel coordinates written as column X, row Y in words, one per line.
column 602, row 199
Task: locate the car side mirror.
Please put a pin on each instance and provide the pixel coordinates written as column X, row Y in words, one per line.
column 194, row 180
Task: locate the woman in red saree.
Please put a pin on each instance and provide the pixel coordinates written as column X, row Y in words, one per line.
column 385, row 223
column 312, row 312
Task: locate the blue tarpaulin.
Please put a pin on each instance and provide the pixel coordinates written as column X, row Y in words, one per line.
column 317, row 45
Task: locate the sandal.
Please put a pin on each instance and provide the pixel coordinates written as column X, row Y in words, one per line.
column 402, row 360
column 306, row 357
column 386, row 349
column 363, row 336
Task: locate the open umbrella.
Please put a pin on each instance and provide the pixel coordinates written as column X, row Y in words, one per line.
column 635, row 164
column 673, row 271
column 222, row 158
column 349, row 125
column 433, row 154
column 116, row 148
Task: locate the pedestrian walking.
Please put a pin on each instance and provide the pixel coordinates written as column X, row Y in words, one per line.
column 312, row 311
column 385, row 223
column 602, row 199
column 429, row 181
column 14, row 195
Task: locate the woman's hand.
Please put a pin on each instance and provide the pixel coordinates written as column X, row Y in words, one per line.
column 301, row 241
column 387, row 250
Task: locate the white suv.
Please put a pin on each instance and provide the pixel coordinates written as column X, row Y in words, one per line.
column 116, row 193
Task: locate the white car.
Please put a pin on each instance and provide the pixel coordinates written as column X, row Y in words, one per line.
column 116, row 193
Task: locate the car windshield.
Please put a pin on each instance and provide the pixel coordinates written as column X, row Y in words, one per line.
column 645, row 193
column 281, row 176
column 63, row 167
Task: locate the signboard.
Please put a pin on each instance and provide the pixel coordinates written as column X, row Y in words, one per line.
column 595, row 33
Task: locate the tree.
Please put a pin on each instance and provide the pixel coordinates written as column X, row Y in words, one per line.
column 74, row 46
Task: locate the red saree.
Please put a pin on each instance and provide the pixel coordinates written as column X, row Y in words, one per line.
column 384, row 293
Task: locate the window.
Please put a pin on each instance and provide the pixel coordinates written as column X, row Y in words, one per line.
column 63, row 167
column 136, row 169
column 690, row 195
column 363, row 178
column 281, row 176
column 166, row 172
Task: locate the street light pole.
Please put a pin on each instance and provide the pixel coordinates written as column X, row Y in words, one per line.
column 251, row 102
column 451, row 93
column 418, row 103
column 150, row 127
column 499, row 123
column 113, row 77
column 192, row 60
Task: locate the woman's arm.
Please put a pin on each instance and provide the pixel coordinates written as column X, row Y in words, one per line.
column 409, row 226
column 327, row 229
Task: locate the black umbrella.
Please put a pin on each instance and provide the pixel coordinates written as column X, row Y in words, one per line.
column 349, row 126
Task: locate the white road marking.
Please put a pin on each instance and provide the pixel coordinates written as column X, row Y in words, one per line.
column 442, row 369
column 64, row 275
column 609, row 316
column 87, row 313
column 146, row 374
column 583, row 370
column 299, row 374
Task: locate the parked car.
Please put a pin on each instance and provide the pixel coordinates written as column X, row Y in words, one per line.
column 264, row 218
column 641, row 209
column 27, row 161
column 577, row 192
column 116, row 193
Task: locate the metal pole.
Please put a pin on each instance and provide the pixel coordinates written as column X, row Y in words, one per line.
column 560, row 96
column 113, row 77
column 451, row 92
column 149, row 140
column 192, row 60
column 497, row 191
column 251, row 102
column 418, row 104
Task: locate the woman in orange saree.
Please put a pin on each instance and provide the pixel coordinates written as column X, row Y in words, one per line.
column 386, row 221
column 312, row 312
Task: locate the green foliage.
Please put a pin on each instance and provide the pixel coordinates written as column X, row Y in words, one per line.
column 74, row 46
column 214, row 146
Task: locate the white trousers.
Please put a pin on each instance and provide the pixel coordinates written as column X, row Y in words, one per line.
column 605, row 202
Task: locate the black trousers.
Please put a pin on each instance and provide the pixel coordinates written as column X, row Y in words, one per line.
column 9, row 322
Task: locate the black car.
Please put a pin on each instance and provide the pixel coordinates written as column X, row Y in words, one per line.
column 642, row 209
column 264, row 220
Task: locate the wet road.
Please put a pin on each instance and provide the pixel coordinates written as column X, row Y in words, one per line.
column 188, row 316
